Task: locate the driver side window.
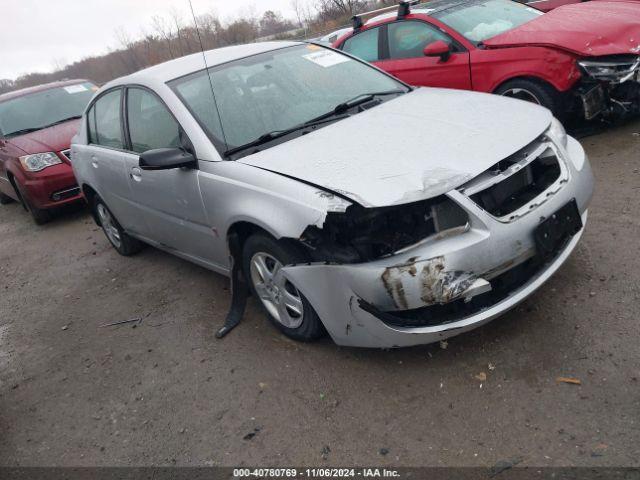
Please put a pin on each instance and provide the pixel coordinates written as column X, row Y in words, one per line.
column 151, row 125
column 408, row 39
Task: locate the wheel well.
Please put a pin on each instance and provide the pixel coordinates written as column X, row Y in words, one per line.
column 528, row 78
column 243, row 230
column 12, row 181
column 89, row 195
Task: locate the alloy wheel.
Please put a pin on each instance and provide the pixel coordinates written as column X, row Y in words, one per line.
column 108, row 225
column 522, row 94
column 281, row 299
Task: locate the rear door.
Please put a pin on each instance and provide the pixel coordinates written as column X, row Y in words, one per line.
column 403, row 56
column 169, row 200
column 110, row 160
column 366, row 45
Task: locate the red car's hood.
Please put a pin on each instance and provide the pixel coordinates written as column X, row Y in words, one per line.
column 586, row 29
column 52, row 139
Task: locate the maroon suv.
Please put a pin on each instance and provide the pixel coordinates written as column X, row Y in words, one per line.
column 36, row 127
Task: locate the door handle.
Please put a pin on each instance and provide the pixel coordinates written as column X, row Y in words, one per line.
column 136, row 174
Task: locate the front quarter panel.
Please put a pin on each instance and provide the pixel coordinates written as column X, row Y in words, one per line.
column 233, row 192
column 492, row 67
column 9, row 165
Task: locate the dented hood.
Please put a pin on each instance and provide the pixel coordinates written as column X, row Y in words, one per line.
column 412, row 148
column 587, row 29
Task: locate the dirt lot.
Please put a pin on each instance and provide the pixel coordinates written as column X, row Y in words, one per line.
column 167, row 392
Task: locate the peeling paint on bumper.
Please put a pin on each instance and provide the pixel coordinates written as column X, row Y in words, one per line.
column 439, row 271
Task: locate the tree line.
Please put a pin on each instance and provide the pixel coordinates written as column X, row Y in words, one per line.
column 173, row 36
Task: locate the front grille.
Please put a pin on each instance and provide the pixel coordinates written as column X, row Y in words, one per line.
column 516, row 181
column 67, row 154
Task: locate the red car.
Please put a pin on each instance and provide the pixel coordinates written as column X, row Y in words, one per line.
column 36, row 127
column 548, row 5
column 579, row 59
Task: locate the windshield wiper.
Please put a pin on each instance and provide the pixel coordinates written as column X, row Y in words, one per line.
column 75, row 117
column 24, row 131
column 355, row 101
column 268, row 137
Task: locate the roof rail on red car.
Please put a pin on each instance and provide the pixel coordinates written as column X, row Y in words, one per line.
column 404, row 9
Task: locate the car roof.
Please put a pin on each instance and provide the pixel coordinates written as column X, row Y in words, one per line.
column 339, row 33
column 39, row 88
column 428, row 8
column 180, row 67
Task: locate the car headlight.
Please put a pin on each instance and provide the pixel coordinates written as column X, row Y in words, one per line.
column 39, row 161
column 614, row 70
column 558, row 134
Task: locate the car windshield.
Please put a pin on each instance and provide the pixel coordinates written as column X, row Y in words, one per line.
column 45, row 108
column 276, row 91
column 479, row 20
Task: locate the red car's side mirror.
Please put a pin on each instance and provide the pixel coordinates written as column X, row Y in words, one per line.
column 438, row 48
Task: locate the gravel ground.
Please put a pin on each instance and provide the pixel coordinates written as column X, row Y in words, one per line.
column 168, row 393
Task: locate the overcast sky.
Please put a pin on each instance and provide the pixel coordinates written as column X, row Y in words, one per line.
column 38, row 35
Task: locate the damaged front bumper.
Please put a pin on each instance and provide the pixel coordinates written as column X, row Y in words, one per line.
column 610, row 86
column 448, row 284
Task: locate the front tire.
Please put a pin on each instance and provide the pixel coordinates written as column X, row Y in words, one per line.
column 284, row 305
column 4, row 199
column 534, row 91
column 39, row 216
column 124, row 244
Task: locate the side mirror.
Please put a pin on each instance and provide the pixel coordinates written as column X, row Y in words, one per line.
column 438, row 48
column 167, row 159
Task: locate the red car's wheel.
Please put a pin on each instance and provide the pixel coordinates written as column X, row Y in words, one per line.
column 39, row 216
column 533, row 91
column 4, row 200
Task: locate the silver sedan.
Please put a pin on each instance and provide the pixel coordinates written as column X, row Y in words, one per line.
column 343, row 200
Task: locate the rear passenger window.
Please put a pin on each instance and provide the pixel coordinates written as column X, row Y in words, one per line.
column 364, row 45
column 105, row 122
column 151, row 125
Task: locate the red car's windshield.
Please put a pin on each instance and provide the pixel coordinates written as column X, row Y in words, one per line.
column 479, row 20
column 42, row 109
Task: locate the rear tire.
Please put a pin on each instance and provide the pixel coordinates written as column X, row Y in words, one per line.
column 124, row 244
column 288, row 310
column 39, row 216
column 534, row 91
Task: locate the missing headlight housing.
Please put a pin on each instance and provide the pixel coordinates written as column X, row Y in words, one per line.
column 363, row 234
column 615, row 68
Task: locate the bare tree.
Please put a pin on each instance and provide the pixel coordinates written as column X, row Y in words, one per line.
column 168, row 38
column 160, row 26
column 6, row 85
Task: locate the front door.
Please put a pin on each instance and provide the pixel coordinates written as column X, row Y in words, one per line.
column 169, row 200
column 405, row 57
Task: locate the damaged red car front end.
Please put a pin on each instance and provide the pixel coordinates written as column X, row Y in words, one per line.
column 578, row 60
column 603, row 41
